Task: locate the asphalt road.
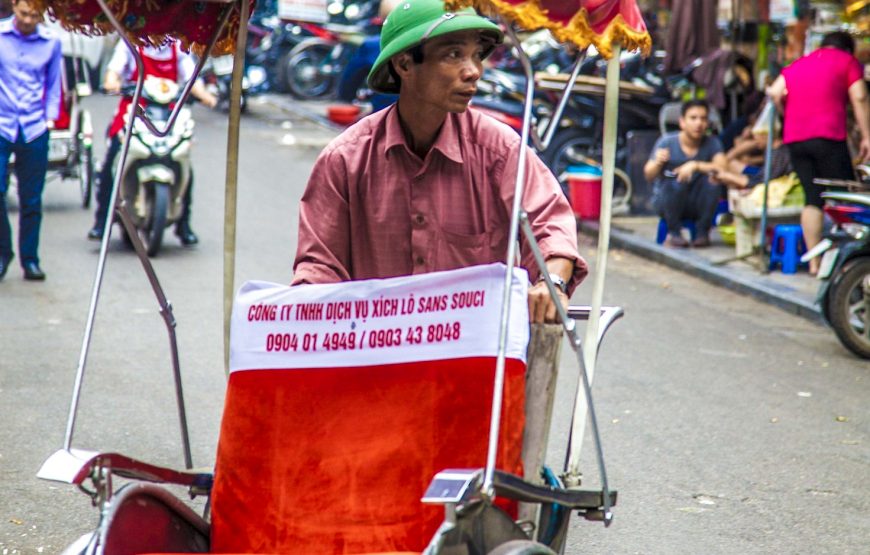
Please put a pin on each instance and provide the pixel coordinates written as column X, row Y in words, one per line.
column 728, row 425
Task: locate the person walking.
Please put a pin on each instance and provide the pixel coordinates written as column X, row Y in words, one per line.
column 30, row 65
column 678, row 166
column 813, row 94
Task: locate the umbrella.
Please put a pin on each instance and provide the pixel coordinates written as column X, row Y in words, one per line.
column 601, row 23
column 692, row 33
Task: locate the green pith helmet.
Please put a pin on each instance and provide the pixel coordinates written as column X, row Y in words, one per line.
column 413, row 22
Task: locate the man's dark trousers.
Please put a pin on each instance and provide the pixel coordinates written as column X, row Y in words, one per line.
column 31, row 163
column 695, row 200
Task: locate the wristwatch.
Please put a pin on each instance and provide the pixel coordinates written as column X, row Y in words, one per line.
column 557, row 281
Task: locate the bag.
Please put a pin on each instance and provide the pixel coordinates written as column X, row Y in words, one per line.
column 762, row 122
column 782, row 191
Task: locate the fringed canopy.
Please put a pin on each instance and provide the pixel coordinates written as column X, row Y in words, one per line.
column 151, row 22
column 601, row 23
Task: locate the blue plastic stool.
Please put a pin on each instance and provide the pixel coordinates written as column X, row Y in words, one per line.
column 787, row 247
column 662, row 232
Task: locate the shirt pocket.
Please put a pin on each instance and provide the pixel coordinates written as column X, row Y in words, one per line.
column 457, row 250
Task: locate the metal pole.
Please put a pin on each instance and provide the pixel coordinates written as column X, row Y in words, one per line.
column 498, row 389
column 232, row 177
column 590, row 343
column 104, row 245
column 767, row 164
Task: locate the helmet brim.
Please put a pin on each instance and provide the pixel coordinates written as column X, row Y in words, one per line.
column 380, row 80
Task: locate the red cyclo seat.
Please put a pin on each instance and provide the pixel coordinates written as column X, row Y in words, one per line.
column 63, row 119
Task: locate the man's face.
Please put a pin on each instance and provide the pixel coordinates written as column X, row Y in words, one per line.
column 447, row 78
column 26, row 17
column 694, row 122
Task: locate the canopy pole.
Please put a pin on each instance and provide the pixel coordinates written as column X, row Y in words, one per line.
column 232, row 176
column 768, row 152
column 590, row 342
column 511, row 259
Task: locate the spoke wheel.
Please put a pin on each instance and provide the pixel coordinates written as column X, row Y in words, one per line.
column 86, row 173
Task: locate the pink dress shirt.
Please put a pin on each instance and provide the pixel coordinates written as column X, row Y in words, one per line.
column 818, row 94
column 374, row 209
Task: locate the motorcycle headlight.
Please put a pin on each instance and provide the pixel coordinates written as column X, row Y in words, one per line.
column 266, row 43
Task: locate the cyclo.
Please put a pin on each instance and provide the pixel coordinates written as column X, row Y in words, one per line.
column 329, row 437
column 70, row 138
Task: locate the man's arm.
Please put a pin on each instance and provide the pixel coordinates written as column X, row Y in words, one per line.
column 554, row 228
column 777, row 92
column 323, row 251
column 861, row 106
column 53, row 84
column 654, row 166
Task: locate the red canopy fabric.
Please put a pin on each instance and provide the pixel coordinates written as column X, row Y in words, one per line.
column 601, row 23
column 149, row 21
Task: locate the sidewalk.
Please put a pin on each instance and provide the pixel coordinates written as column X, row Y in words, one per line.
column 794, row 293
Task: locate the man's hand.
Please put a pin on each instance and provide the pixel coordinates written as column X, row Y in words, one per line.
column 686, row 171
column 864, row 149
column 541, row 306
column 663, row 155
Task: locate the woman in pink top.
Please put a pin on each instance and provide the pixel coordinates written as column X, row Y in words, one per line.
column 813, row 94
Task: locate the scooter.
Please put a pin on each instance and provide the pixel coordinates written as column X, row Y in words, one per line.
column 158, row 171
column 844, row 295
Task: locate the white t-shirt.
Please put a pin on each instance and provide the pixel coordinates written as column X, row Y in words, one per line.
column 123, row 63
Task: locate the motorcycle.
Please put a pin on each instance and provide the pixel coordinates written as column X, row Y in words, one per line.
column 217, row 74
column 844, row 295
column 158, row 171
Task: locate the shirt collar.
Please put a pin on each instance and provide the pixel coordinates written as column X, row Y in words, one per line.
column 7, row 26
column 447, row 142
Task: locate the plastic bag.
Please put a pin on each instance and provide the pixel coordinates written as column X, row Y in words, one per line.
column 762, row 122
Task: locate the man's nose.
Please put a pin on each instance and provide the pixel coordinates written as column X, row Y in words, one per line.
column 471, row 70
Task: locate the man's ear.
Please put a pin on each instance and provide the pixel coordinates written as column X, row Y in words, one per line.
column 402, row 63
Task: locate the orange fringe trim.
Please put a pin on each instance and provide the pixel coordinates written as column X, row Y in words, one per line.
column 531, row 16
column 64, row 12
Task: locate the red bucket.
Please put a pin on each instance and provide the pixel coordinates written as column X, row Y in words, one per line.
column 584, row 191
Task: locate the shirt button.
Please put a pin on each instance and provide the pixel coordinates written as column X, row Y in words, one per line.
column 419, row 218
column 419, row 261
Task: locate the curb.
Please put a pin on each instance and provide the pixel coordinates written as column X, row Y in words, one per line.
column 716, row 275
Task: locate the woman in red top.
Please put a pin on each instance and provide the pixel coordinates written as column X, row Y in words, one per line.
column 813, row 93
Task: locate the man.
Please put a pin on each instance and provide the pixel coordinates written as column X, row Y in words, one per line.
column 30, row 64
column 678, row 166
column 166, row 61
column 426, row 184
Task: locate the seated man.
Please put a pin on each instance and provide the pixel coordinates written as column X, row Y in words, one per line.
column 427, row 184
column 678, row 166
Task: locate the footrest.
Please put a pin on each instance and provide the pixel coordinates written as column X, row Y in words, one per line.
column 513, row 487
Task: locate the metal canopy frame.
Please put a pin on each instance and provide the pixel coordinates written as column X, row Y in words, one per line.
column 119, row 207
column 586, row 357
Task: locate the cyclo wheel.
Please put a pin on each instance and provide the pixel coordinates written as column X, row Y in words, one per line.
column 155, row 223
column 86, row 174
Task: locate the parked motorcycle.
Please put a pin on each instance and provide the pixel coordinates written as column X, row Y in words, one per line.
column 844, row 295
column 217, row 74
column 158, row 170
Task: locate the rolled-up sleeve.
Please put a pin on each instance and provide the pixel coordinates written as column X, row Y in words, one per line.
column 53, row 83
column 550, row 216
column 323, row 252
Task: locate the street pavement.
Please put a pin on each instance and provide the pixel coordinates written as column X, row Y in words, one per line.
column 729, row 425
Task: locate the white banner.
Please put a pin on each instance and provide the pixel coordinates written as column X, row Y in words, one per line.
column 313, row 11
column 435, row 316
